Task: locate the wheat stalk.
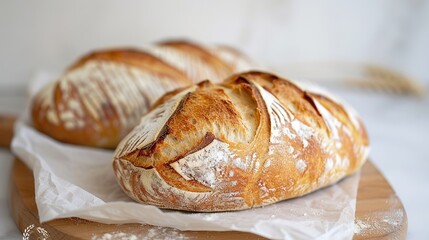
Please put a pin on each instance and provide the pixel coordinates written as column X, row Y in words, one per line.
column 356, row 75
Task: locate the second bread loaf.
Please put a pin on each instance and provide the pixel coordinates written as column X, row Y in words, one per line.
column 101, row 97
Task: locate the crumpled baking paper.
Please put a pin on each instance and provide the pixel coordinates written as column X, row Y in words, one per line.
column 75, row 181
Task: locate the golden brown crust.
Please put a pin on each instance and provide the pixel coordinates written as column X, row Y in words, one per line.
column 251, row 141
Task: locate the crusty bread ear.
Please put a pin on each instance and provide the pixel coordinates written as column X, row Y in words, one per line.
column 102, row 96
column 253, row 140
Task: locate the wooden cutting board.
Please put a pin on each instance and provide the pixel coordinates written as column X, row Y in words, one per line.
column 379, row 211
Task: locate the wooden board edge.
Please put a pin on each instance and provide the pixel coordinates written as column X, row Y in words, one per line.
column 6, row 130
column 380, row 213
column 22, row 206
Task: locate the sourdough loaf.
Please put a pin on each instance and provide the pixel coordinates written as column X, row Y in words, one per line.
column 253, row 140
column 101, row 97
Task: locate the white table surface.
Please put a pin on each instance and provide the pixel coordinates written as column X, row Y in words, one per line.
column 398, row 127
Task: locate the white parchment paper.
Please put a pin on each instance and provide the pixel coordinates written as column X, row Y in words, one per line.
column 74, row 181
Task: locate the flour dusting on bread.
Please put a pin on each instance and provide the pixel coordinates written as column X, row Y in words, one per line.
column 205, row 165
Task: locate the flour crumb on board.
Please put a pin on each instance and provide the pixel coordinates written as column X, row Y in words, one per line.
column 361, row 226
column 164, row 234
column 379, row 223
column 154, row 233
column 116, row 236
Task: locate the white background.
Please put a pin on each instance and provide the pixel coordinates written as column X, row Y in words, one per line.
column 50, row 35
